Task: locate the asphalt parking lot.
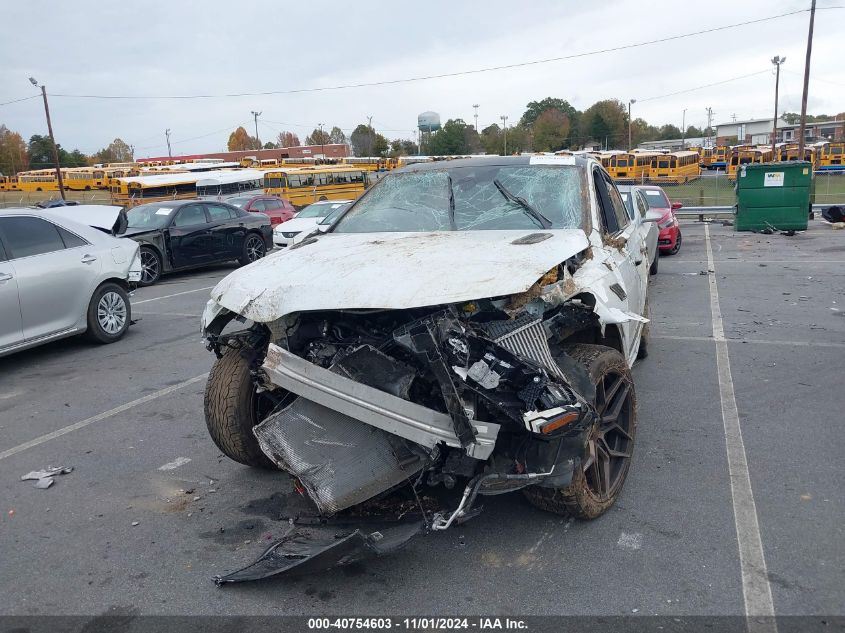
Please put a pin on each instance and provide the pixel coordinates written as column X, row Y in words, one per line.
column 120, row 532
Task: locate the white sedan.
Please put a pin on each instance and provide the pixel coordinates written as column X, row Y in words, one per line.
column 304, row 222
column 60, row 277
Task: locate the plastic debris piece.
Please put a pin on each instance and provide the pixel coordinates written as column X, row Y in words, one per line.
column 134, row 523
column 44, row 483
column 50, row 471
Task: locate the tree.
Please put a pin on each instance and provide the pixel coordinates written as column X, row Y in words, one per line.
column 694, row 132
column 641, row 132
column 287, row 139
column 380, row 145
column 455, row 137
column 669, row 131
column 362, row 139
column 76, row 159
column 40, row 151
column 606, row 123
column 491, row 139
column 318, row 137
column 551, row 130
column 535, row 108
column 337, row 136
column 240, row 140
column 518, row 139
column 116, row 152
column 269, row 145
column 14, row 156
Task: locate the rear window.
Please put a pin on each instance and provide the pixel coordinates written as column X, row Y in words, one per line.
column 656, row 199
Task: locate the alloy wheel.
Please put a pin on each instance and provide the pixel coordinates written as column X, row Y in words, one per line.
column 611, row 442
column 111, row 313
column 254, row 248
column 150, row 267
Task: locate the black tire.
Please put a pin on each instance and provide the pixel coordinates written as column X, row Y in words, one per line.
column 582, row 498
column 230, row 410
column 254, row 249
column 652, row 270
column 109, row 314
column 674, row 250
column 150, row 266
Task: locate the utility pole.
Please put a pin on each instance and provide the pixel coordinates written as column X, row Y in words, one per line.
column 504, row 119
column 167, row 135
column 52, row 139
column 684, row 130
column 631, row 101
column 256, row 115
column 777, row 61
column 322, row 141
column 803, row 127
column 709, row 128
column 475, row 105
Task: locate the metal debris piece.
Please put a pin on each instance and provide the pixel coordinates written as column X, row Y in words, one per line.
column 44, row 478
column 308, row 550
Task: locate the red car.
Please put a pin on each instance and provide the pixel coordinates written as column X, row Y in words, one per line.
column 669, row 238
column 278, row 209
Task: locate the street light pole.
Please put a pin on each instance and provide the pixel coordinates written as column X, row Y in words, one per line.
column 256, row 115
column 167, row 134
column 322, row 142
column 629, row 122
column 777, row 60
column 684, row 130
column 52, row 139
column 504, row 119
column 806, row 83
column 475, row 105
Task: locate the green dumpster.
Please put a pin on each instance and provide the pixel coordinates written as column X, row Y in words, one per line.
column 773, row 195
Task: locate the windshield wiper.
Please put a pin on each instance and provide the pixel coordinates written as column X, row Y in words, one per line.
column 541, row 219
column 452, row 223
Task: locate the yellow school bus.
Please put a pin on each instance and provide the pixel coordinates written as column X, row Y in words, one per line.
column 832, row 156
column 812, row 154
column 720, row 156
column 136, row 190
column 630, row 166
column 674, row 167
column 38, row 180
column 302, row 186
column 371, row 163
column 744, row 155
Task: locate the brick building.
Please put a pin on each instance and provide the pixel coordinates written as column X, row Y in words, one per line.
column 331, row 150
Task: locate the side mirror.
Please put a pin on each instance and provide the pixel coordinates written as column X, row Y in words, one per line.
column 676, row 205
column 652, row 216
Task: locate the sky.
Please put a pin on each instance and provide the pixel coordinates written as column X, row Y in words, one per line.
column 155, row 48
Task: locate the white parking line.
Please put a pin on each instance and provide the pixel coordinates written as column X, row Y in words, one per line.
column 753, row 341
column 756, row 590
column 177, row 294
column 179, row 461
column 100, row 416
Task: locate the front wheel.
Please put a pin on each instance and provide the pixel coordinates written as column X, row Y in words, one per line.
column 232, row 408
column 109, row 314
column 677, row 246
column 598, row 479
column 254, row 249
column 150, row 266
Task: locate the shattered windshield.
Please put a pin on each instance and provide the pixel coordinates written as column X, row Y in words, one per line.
column 471, row 198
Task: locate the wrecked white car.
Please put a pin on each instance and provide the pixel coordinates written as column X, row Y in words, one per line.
column 464, row 323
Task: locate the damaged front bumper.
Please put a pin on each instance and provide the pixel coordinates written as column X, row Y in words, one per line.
column 372, row 406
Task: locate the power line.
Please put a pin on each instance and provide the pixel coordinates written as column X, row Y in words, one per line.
column 442, row 75
column 19, row 100
column 716, row 83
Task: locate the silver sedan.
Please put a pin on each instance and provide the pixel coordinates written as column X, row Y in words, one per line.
column 60, row 277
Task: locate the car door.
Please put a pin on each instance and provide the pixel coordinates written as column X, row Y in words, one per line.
column 11, row 327
column 56, row 272
column 189, row 235
column 627, row 260
column 227, row 231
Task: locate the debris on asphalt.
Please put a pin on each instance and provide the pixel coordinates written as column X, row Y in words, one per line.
column 44, row 478
column 134, row 523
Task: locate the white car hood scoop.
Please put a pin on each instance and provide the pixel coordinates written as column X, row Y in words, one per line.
column 394, row 271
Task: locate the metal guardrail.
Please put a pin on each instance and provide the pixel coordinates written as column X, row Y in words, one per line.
column 702, row 212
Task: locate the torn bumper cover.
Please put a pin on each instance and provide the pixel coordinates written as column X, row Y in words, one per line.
column 372, row 406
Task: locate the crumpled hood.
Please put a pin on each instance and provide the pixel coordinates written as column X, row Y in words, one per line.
column 393, row 271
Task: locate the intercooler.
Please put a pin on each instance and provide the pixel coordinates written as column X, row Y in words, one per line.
column 525, row 337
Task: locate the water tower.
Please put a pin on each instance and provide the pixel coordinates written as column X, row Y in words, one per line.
column 427, row 122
